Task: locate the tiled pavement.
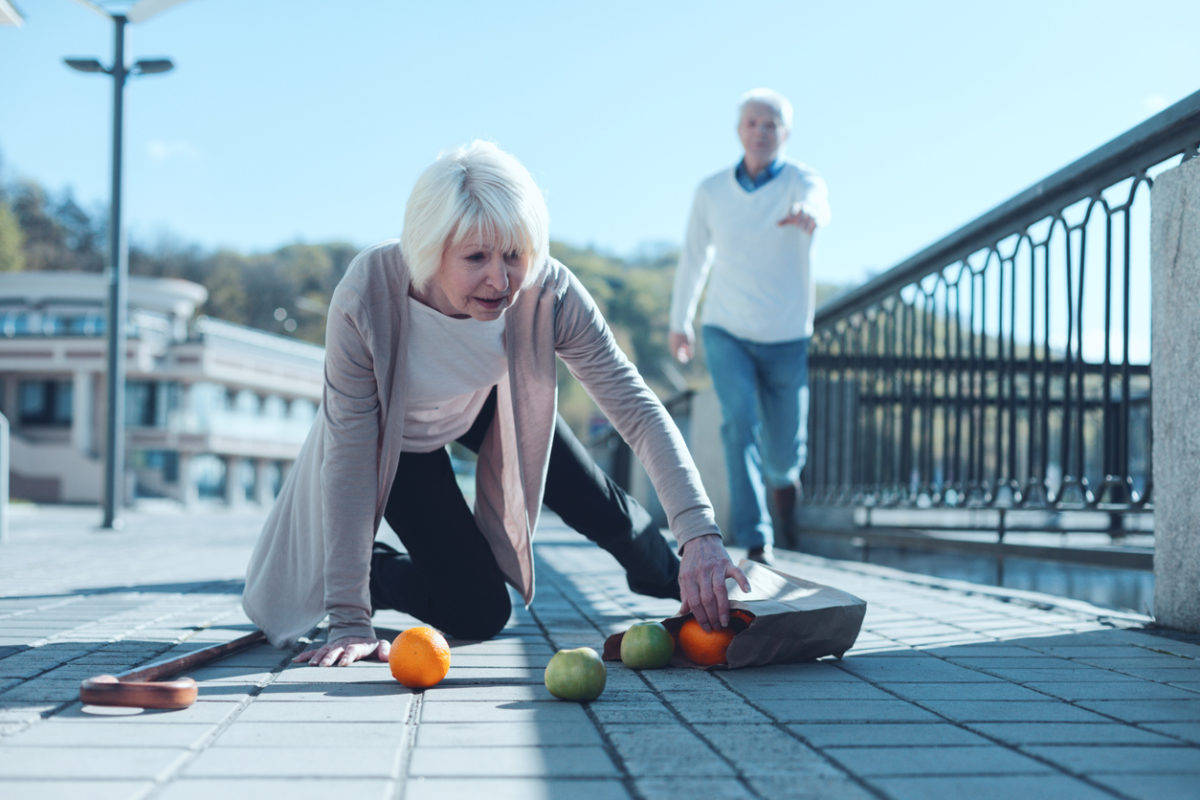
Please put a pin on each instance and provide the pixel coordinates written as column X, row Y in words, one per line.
column 951, row 691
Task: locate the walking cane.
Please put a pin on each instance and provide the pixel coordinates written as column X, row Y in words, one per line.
column 144, row 688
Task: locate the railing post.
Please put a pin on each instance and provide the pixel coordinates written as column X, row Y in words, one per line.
column 1175, row 340
column 4, row 465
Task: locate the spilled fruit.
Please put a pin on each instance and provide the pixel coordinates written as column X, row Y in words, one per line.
column 647, row 645
column 576, row 674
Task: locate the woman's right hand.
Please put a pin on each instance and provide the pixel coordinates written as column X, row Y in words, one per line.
column 344, row 651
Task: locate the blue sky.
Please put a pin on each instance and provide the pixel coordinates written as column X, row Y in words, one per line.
column 299, row 120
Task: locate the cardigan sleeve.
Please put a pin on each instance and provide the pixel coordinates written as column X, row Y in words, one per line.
column 349, row 471
column 586, row 345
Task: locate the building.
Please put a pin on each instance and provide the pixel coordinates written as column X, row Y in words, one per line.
column 212, row 409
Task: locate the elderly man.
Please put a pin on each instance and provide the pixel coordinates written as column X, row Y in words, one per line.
column 750, row 233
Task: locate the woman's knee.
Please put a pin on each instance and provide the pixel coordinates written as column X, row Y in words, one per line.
column 477, row 614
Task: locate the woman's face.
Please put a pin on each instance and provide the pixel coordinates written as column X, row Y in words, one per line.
column 476, row 279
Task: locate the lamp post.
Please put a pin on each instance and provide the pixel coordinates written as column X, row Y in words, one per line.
column 118, row 263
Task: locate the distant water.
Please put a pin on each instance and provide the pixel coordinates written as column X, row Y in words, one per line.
column 1117, row 589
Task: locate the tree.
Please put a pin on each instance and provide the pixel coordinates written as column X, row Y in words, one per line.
column 12, row 241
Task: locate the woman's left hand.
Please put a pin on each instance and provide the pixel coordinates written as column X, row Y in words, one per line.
column 702, row 572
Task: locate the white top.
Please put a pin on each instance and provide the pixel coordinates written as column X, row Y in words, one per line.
column 760, row 287
column 450, row 367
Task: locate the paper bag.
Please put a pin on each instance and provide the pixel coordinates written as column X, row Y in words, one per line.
column 794, row 620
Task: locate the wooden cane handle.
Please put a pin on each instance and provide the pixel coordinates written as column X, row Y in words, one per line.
column 107, row 690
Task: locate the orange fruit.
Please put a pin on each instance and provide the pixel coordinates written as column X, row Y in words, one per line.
column 420, row 657
column 708, row 647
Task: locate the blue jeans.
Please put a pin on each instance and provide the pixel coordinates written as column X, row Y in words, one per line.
column 763, row 391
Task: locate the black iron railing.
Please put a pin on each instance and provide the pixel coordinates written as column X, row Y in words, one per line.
column 1006, row 367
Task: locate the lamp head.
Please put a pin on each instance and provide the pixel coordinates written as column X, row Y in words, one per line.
column 84, row 64
column 152, row 66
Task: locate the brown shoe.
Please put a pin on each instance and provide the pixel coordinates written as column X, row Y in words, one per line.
column 784, row 499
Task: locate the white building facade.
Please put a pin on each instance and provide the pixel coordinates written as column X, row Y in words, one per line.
column 213, row 410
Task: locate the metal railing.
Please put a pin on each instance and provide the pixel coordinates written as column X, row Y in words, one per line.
column 1005, row 368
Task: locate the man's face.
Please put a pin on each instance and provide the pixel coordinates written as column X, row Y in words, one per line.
column 761, row 133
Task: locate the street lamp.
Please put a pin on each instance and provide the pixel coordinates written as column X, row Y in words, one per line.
column 118, row 265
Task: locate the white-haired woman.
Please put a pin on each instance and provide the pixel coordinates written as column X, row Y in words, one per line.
column 451, row 334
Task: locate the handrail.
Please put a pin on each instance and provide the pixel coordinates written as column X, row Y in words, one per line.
column 1170, row 132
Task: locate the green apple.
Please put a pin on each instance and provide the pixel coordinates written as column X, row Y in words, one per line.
column 577, row 674
column 647, row 645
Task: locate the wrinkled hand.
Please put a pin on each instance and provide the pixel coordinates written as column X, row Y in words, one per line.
column 680, row 345
column 798, row 218
column 344, row 651
column 702, row 572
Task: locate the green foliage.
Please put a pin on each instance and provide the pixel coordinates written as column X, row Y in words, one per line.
column 12, row 254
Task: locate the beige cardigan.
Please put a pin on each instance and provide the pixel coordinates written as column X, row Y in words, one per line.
column 313, row 555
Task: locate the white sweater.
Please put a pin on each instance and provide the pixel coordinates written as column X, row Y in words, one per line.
column 760, row 286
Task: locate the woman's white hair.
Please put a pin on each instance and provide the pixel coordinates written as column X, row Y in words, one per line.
column 474, row 190
column 772, row 100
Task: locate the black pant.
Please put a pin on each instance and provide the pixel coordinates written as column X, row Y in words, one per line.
column 449, row 577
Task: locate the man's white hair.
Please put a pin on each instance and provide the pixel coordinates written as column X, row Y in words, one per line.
column 772, row 100
column 474, row 190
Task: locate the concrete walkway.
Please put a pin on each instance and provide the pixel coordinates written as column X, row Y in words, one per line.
column 953, row 690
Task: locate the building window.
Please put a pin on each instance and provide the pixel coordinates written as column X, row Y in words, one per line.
column 45, row 402
column 141, row 404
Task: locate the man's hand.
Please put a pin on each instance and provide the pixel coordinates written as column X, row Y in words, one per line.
column 798, row 218
column 702, row 572
column 680, row 345
column 344, row 651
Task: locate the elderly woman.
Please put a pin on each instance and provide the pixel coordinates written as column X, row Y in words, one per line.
column 451, row 334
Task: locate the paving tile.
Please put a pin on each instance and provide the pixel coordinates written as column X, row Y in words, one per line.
column 912, row 670
column 516, row 734
column 314, row 761
column 974, row 760
column 495, row 692
column 99, row 733
column 663, row 750
column 765, row 750
column 300, row 734
column 1024, row 675
column 1112, row 690
column 262, row 788
column 811, row 787
column 848, row 711
column 1189, row 731
column 549, row 762
column 1010, row 710
column 649, row 711
column 1151, row 787
column 94, row 763
column 716, row 708
column 91, row 789
column 812, row 690
column 1122, row 758
column 990, row 787
column 866, row 734
column 196, row 713
column 1146, row 710
column 1020, row 733
column 393, row 709
column 994, row 690
column 513, row 789
column 549, row 710
column 708, row 788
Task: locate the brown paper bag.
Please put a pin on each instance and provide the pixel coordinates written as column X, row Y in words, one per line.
column 794, row 620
